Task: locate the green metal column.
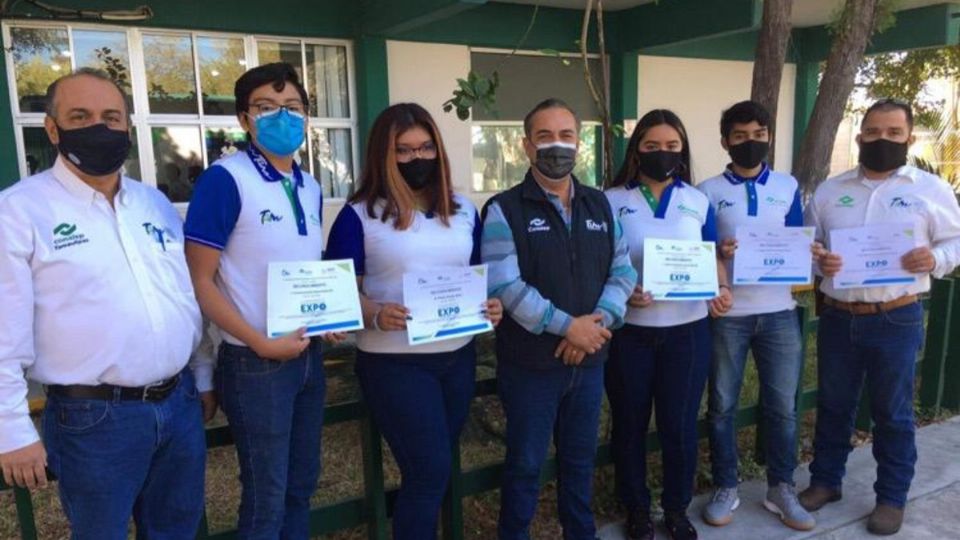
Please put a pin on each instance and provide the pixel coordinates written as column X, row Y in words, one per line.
column 373, row 92
column 624, row 86
column 9, row 169
column 806, row 85
column 933, row 366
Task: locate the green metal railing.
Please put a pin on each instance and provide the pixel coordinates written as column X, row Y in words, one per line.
column 939, row 389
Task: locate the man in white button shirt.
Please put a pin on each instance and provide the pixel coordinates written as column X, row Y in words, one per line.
column 99, row 308
column 874, row 333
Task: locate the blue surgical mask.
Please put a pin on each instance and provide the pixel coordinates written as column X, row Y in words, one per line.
column 280, row 132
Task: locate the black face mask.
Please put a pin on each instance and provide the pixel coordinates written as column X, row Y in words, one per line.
column 883, row 155
column 96, row 150
column 749, row 154
column 418, row 172
column 556, row 160
column 659, row 165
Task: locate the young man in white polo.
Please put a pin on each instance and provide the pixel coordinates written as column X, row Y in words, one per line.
column 763, row 320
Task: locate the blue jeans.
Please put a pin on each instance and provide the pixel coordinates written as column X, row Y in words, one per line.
column 563, row 402
column 419, row 402
column 663, row 369
column 777, row 352
column 882, row 349
column 275, row 410
column 117, row 458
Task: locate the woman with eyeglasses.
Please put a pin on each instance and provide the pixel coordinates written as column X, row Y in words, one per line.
column 404, row 218
column 249, row 209
column 660, row 358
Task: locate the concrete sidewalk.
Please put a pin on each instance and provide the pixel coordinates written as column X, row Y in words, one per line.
column 932, row 513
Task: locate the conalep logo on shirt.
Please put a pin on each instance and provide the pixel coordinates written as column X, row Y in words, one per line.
column 845, row 202
column 773, row 201
column 538, row 225
column 66, row 235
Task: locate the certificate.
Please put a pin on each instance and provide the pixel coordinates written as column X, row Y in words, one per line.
column 319, row 295
column 871, row 255
column 679, row 269
column 773, row 255
column 446, row 303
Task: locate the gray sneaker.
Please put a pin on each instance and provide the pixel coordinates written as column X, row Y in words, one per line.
column 719, row 511
column 782, row 500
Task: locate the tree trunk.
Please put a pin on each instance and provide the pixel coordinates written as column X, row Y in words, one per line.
column 768, row 63
column 857, row 24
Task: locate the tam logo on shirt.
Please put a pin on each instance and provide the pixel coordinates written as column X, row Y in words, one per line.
column 161, row 235
column 626, row 211
column 597, row 227
column 538, row 225
column 266, row 216
column 899, row 202
column 724, row 204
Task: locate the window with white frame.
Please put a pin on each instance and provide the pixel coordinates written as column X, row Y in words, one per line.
column 181, row 88
column 527, row 78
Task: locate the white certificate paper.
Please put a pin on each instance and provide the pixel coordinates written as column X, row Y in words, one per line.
column 319, row 295
column 679, row 269
column 446, row 303
column 871, row 255
column 773, row 255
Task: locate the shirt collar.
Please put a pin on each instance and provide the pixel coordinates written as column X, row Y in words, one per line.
column 735, row 179
column 267, row 171
column 905, row 171
column 80, row 189
column 676, row 183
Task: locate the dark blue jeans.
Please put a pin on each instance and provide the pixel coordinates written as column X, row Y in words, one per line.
column 882, row 349
column 563, row 402
column 275, row 410
column 117, row 458
column 777, row 352
column 419, row 402
column 663, row 369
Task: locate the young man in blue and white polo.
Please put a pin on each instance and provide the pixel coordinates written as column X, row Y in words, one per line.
column 763, row 319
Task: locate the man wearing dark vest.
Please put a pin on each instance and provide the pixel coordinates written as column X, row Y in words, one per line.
column 560, row 266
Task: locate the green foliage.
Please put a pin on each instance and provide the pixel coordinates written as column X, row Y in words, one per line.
column 904, row 75
column 475, row 90
column 842, row 17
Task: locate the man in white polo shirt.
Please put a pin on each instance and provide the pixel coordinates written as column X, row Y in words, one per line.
column 98, row 307
column 875, row 333
column 763, row 319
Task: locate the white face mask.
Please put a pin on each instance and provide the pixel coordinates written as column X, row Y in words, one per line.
column 556, row 160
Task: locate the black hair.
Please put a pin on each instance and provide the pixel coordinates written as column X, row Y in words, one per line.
column 890, row 104
column 549, row 103
column 277, row 74
column 630, row 170
column 51, row 106
column 743, row 113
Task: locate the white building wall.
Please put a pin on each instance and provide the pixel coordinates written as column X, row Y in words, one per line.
column 698, row 91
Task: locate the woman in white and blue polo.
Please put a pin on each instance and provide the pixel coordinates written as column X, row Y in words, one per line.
column 661, row 355
column 406, row 218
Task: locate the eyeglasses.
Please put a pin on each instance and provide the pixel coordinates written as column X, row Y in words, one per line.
column 425, row 151
column 266, row 107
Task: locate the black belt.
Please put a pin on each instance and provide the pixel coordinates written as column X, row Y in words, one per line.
column 108, row 392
